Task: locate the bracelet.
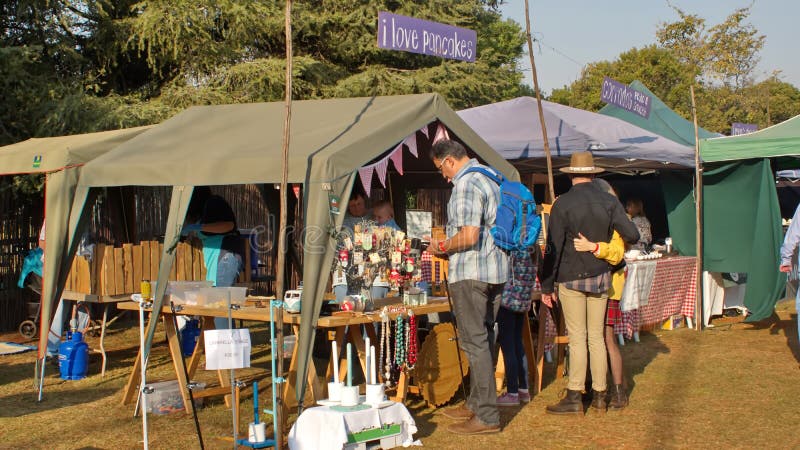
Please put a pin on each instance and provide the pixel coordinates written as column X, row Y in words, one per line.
column 442, row 247
column 596, row 247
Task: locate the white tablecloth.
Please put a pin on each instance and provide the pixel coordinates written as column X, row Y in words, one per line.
column 323, row 428
column 638, row 281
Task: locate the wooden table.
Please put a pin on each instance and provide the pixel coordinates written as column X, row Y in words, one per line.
column 344, row 328
column 104, row 300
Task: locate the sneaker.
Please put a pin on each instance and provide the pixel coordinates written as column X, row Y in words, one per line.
column 524, row 397
column 461, row 412
column 508, row 400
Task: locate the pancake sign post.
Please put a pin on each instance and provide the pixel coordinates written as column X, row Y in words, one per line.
column 625, row 97
column 407, row 34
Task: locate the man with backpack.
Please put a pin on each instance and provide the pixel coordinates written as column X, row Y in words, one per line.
column 478, row 270
column 583, row 280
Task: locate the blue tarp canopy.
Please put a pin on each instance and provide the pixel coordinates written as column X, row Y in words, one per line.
column 513, row 129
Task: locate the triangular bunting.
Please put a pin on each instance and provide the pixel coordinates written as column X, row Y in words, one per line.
column 411, row 142
column 366, row 177
column 441, row 133
column 397, row 158
column 380, row 168
column 424, row 130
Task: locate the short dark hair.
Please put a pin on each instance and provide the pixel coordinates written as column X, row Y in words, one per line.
column 447, row 147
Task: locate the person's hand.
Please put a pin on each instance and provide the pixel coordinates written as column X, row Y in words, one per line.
column 433, row 247
column 549, row 299
column 583, row 245
column 785, row 268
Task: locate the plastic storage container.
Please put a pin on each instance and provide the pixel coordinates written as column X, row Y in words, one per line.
column 217, row 297
column 185, row 292
column 166, row 397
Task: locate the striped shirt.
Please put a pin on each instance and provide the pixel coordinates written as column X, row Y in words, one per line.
column 473, row 202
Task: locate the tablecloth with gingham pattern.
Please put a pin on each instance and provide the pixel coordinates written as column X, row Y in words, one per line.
column 673, row 292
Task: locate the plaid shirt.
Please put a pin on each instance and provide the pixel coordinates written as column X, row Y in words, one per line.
column 473, row 202
column 594, row 285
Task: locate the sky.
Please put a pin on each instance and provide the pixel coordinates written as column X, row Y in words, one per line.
column 573, row 33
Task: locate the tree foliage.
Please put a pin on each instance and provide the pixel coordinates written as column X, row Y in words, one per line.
column 719, row 61
column 70, row 66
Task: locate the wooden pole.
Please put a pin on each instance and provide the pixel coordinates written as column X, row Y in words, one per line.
column 281, row 269
column 698, row 210
column 550, row 189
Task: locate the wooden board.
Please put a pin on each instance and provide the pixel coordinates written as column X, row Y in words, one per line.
column 107, row 280
column 119, row 271
column 83, row 279
column 145, row 260
column 155, row 257
column 127, row 268
column 137, row 268
column 179, row 265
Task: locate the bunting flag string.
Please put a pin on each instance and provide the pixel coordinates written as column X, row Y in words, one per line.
column 366, row 177
column 397, row 158
column 411, row 143
column 381, row 167
column 441, row 133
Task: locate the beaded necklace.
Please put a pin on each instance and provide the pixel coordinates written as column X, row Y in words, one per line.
column 411, row 336
column 386, row 343
column 400, row 344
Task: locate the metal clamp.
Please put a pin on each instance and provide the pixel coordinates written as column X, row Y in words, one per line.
column 279, row 380
column 192, row 385
column 277, row 303
column 177, row 308
column 240, row 384
column 148, row 390
column 235, row 307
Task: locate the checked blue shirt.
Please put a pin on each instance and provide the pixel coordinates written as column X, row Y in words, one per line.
column 473, row 202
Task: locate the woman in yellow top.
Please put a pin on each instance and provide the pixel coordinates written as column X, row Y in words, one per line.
column 612, row 252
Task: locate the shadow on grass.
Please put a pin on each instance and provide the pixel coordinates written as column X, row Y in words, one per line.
column 636, row 356
column 777, row 326
column 22, row 404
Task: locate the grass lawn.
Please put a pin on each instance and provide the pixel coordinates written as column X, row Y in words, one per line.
column 732, row 386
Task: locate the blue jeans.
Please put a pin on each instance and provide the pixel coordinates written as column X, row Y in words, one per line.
column 228, row 267
column 509, row 326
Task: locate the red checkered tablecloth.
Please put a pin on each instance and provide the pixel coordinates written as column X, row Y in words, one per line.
column 674, row 292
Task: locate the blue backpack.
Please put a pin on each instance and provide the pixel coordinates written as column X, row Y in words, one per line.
column 517, row 225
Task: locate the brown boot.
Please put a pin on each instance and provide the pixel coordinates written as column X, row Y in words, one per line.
column 599, row 400
column 570, row 404
column 473, row 426
column 619, row 399
column 460, row 412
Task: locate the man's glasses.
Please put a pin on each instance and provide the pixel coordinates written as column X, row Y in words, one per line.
column 439, row 167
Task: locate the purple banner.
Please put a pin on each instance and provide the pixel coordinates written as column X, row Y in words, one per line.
column 408, row 34
column 625, row 97
column 742, row 128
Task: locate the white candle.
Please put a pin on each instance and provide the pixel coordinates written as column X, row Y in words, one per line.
column 335, row 358
column 366, row 351
column 349, row 364
column 372, row 373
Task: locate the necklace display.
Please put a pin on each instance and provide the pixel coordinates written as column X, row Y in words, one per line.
column 386, row 348
column 411, row 337
column 400, row 343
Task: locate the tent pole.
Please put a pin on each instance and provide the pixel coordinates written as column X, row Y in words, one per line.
column 280, row 412
column 698, row 208
column 550, row 189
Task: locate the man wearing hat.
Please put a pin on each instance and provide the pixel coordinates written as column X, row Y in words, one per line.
column 583, row 280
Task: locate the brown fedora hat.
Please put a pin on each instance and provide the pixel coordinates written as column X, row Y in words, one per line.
column 581, row 163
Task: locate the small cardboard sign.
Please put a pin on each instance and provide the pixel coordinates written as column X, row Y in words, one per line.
column 227, row 349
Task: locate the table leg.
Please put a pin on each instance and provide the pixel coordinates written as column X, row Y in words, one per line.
column 540, row 333
column 500, row 370
column 689, row 322
column 527, row 343
column 177, row 354
column 102, row 340
column 131, row 390
column 289, row 390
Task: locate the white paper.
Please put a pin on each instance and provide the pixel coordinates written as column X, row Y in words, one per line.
column 419, row 223
column 227, row 349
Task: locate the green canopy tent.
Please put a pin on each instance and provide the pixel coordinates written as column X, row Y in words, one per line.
column 241, row 144
column 744, row 177
column 662, row 120
column 60, row 159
